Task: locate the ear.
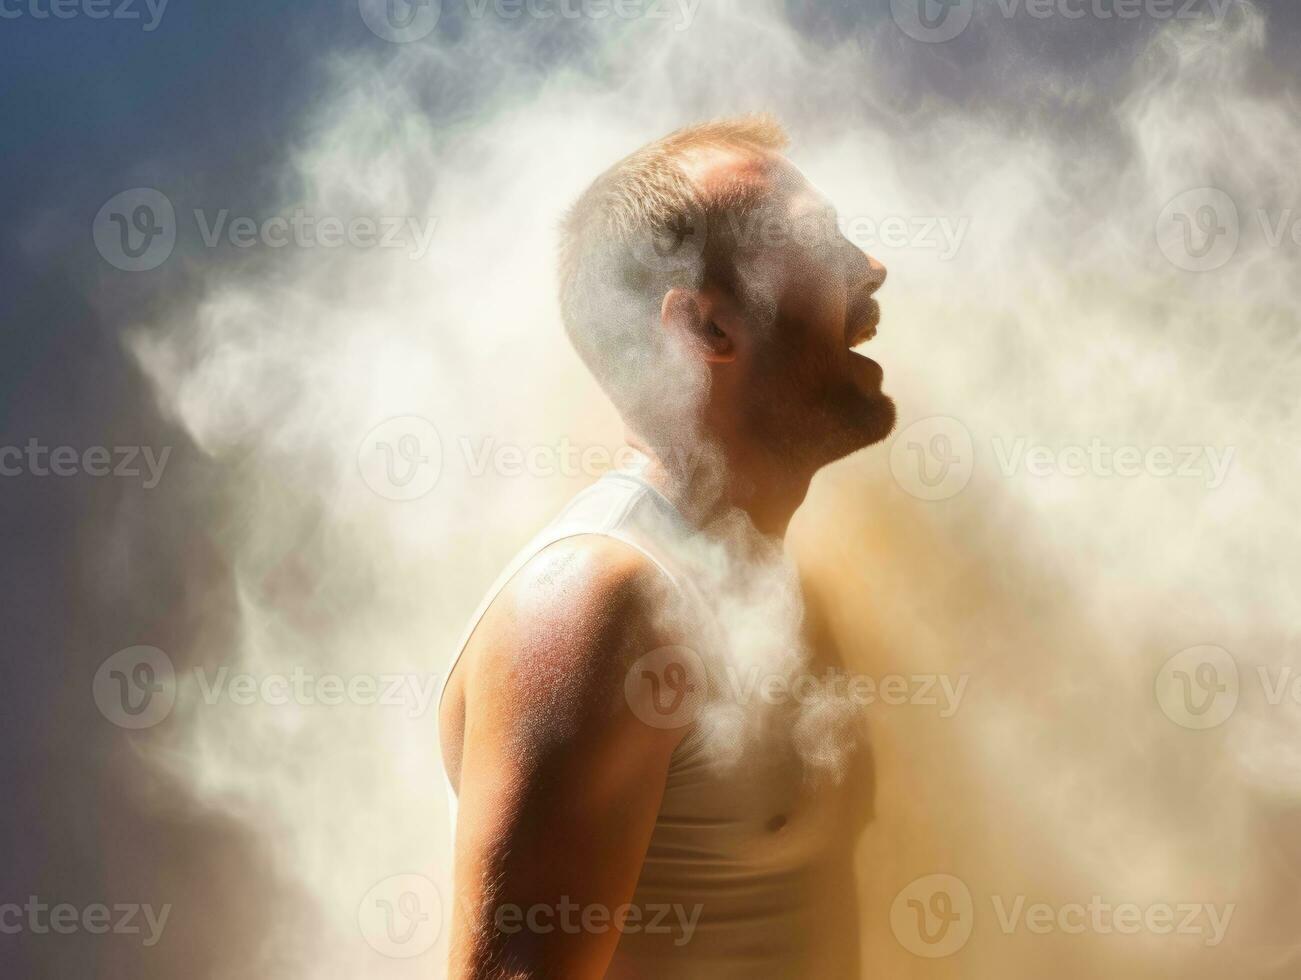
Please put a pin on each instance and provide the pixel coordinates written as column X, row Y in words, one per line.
column 691, row 315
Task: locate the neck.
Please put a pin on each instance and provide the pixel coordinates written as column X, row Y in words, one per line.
column 705, row 484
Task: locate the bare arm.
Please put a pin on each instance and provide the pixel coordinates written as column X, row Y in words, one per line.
column 559, row 782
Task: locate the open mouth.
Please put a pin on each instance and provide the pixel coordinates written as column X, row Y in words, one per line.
column 861, row 325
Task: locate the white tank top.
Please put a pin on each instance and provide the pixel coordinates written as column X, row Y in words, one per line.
column 742, row 871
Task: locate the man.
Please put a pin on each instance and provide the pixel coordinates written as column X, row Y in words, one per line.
column 631, row 804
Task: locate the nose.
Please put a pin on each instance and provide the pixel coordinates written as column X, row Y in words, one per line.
column 875, row 273
column 864, row 273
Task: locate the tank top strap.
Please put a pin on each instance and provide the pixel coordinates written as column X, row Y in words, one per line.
column 620, row 505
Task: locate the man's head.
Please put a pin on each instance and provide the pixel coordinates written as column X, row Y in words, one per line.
column 707, row 286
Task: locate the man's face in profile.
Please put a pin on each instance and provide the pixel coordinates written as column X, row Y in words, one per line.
column 801, row 392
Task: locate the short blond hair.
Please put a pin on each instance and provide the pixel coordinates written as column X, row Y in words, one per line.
column 607, row 298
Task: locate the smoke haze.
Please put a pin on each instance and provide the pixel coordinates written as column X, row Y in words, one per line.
column 1044, row 311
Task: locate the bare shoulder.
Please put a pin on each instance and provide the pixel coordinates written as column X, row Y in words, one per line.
column 572, row 620
column 548, row 661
